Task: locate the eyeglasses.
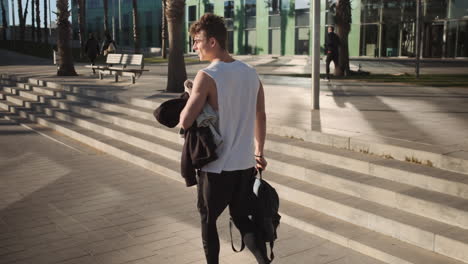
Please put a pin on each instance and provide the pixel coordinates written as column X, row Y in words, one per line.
column 197, row 41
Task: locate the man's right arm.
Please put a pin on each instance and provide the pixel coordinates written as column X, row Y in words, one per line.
column 260, row 129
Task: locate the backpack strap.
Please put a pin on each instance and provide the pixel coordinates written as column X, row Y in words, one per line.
column 272, row 255
column 232, row 242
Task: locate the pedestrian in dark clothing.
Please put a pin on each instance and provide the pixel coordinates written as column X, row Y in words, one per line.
column 92, row 48
column 332, row 42
column 108, row 45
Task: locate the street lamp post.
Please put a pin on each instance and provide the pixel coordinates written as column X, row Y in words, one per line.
column 418, row 35
column 13, row 18
column 315, row 37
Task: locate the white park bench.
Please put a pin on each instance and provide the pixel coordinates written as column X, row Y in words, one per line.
column 121, row 65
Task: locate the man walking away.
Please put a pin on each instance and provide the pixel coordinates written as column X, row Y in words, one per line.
column 332, row 42
column 92, row 48
column 234, row 90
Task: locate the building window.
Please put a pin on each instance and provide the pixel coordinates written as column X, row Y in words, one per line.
column 274, row 6
column 228, row 9
column 302, row 33
column 95, row 4
column 209, row 8
column 435, row 9
column 369, row 40
column 192, row 13
column 148, row 28
column 251, row 41
column 192, row 17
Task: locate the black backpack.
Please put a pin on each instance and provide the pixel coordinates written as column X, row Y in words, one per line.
column 266, row 216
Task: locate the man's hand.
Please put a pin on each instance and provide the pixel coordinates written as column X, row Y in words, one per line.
column 261, row 162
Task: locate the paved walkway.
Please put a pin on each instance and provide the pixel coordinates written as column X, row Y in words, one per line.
column 64, row 202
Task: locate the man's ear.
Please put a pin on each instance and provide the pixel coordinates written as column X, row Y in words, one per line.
column 212, row 42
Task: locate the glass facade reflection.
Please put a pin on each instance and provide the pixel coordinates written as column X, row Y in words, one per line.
column 380, row 28
column 388, row 28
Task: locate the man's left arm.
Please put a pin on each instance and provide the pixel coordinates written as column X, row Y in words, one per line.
column 197, row 100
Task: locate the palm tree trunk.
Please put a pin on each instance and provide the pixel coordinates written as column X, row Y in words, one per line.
column 38, row 22
column 65, row 65
column 33, row 25
column 164, row 30
column 176, row 67
column 106, row 17
column 136, row 34
column 46, row 33
column 343, row 26
column 82, row 24
column 21, row 20
column 4, row 21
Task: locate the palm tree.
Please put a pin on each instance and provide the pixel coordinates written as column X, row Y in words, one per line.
column 38, row 22
column 176, row 67
column 65, row 64
column 82, row 24
column 4, row 21
column 46, row 34
column 106, row 17
column 164, row 30
column 136, row 34
column 343, row 26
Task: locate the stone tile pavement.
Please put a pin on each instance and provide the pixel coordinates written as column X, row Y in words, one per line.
column 64, row 202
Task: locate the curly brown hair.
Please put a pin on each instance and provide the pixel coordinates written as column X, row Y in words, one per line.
column 213, row 26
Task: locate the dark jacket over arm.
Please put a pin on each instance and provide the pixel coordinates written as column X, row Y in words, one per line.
column 199, row 148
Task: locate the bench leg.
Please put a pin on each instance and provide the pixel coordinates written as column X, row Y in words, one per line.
column 133, row 79
column 116, row 77
column 100, row 76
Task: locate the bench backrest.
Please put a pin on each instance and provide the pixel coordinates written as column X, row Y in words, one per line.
column 132, row 59
column 113, row 58
column 125, row 59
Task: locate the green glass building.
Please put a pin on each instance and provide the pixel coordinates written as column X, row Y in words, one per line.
column 380, row 28
column 120, row 21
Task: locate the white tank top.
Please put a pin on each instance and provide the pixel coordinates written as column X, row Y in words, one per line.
column 237, row 85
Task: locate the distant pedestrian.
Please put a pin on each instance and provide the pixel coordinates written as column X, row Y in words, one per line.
column 92, row 48
column 108, row 45
column 332, row 42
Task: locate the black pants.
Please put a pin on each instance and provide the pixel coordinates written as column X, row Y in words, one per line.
column 331, row 57
column 215, row 193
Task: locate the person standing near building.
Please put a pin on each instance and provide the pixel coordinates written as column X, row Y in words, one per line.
column 234, row 90
column 108, row 45
column 92, row 49
column 332, row 42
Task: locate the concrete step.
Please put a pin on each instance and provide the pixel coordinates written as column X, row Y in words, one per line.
column 381, row 247
column 118, row 148
column 430, row 178
column 3, row 94
column 143, row 141
column 441, row 207
column 123, row 108
column 18, row 100
column 49, row 91
column 409, row 227
column 6, row 105
column 11, row 90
